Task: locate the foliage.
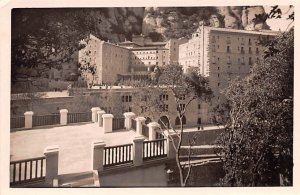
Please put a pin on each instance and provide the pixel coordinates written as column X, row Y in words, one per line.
column 182, row 88
column 45, row 38
column 48, row 38
column 155, row 36
column 257, row 144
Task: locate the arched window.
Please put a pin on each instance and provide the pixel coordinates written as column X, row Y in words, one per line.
column 148, row 120
column 183, row 120
column 164, row 122
column 177, row 120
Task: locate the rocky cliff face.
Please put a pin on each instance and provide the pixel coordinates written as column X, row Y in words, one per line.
column 176, row 22
column 116, row 24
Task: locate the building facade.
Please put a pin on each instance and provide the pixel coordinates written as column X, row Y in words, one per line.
column 222, row 54
column 148, row 57
column 119, row 100
column 104, row 62
column 107, row 59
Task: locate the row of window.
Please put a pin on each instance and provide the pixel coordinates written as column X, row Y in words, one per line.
column 240, row 60
column 109, row 109
column 146, row 58
column 164, row 108
column 126, row 98
column 180, row 107
column 149, row 63
column 148, row 52
column 164, row 97
column 240, row 49
column 239, row 39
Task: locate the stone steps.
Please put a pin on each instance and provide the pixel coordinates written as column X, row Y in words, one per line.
column 84, row 179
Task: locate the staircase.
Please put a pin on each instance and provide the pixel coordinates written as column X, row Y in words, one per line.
column 199, row 154
column 83, row 179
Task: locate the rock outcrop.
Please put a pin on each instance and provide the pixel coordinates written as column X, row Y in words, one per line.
column 118, row 24
column 176, row 22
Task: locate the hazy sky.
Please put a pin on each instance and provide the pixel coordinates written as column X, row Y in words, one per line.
column 280, row 23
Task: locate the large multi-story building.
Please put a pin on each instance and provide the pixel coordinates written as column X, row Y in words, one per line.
column 222, row 54
column 107, row 59
column 126, row 59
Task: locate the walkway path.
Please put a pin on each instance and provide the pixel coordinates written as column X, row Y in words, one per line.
column 74, row 142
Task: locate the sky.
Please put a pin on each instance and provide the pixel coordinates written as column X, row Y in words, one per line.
column 280, row 23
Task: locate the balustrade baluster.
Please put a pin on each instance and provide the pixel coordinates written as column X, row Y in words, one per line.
column 14, row 172
column 20, row 167
column 30, row 170
column 42, row 167
column 25, row 175
column 36, row 168
column 129, row 155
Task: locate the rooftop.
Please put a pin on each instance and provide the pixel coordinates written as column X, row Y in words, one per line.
column 155, row 43
column 147, row 48
column 261, row 32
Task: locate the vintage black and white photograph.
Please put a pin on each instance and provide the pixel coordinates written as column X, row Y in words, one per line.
column 114, row 97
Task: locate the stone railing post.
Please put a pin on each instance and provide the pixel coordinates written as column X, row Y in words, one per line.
column 139, row 122
column 107, row 122
column 100, row 120
column 28, row 119
column 138, row 150
column 51, row 153
column 152, row 130
column 94, row 114
column 97, row 155
column 63, row 116
column 171, row 152
column 128, row 118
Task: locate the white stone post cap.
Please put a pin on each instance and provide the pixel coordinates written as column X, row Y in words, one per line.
column 98, row 144
column 129, row 114
column 107, row 116
column 140, row 119
column 139, row 139
column 153, row 124
column 28, row 113
column 51, row 150
column 63, row 111
column 95, row 109
column 101, row 112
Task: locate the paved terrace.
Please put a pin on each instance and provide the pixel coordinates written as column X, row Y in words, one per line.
column 74, row 142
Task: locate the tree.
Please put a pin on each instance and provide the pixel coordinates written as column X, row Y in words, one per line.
column 184, row 88
column 44, row 38
column 257, row 143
